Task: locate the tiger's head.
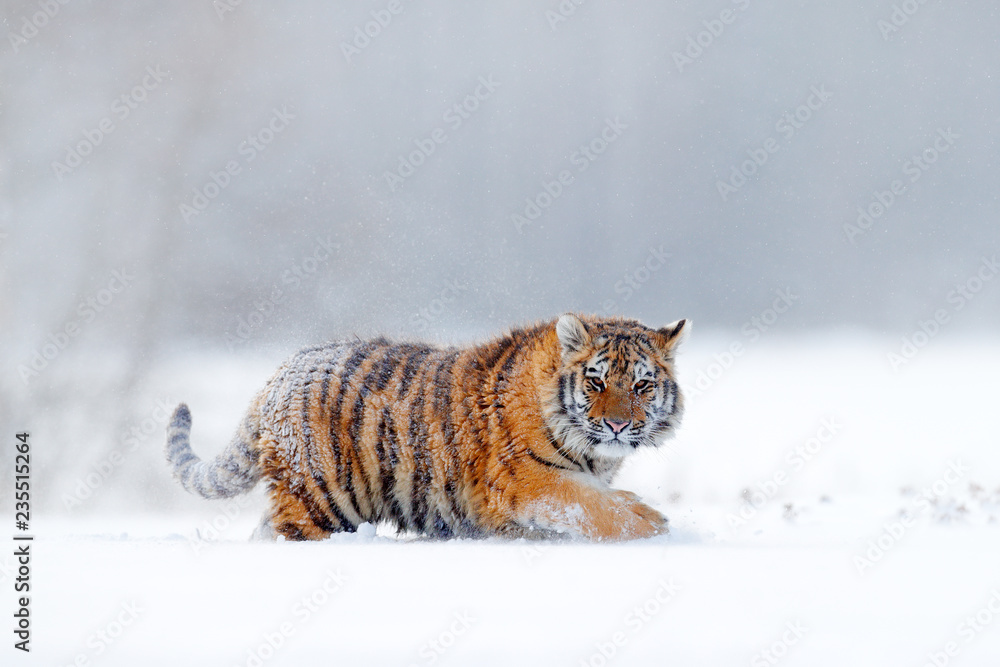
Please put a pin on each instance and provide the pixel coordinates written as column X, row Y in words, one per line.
column 616, row 387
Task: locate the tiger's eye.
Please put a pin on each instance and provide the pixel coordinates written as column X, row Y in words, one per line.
column 642, row 385
column 596, row 384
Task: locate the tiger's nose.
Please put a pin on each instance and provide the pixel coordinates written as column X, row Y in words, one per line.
column 616, row 426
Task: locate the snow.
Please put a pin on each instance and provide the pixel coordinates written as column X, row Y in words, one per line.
column 834, row 497
column 871, row 538
column 529, row 603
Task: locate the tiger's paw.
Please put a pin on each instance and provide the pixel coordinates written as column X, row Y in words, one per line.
column 637, row 519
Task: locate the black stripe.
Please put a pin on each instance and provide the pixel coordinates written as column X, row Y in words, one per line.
column 478, row 421
column 212, row 479
column 318, row 516
column 379, row 374
column 392, row 440
column 439, row 527
column 442, row 395
column 505, row 368
column 187, row 456
column 385, row 449
column 500, row 384
column 545, row 462
column 341, row 454
column 557, row 446
column 355, row 433
column 334, row 507
column 451, row 492
column 389, row 477
column 647, row 347
column 327, row 365
column 421, row 473
column 382, row 371
column 443, row 382
column 355, row 360
column 505, row 455
column 291, row 532
column 427, row 472
column 348, row 485
column 324, row 394
column 410, row 370
column 493, row 396
column 501, row 348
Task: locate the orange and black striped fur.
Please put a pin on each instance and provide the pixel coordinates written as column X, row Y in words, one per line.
column 520, row 434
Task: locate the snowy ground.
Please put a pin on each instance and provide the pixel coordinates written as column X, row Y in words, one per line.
column 826, row 510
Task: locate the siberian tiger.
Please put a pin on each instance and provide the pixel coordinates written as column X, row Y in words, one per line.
column 520, row 434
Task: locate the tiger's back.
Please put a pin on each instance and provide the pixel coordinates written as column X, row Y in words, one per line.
column 440, row 441
column 368, row 431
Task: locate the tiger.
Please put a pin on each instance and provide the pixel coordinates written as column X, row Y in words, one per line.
column 519, row 436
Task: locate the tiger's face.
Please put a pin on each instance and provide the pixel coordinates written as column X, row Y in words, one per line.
column 616, row 385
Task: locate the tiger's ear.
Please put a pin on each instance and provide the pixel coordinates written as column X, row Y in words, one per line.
column 672, row 335
column 572, row 333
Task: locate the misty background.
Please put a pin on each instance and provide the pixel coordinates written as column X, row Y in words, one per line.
column 225, row 182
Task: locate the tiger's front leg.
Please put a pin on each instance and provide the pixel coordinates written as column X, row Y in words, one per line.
column 576, row 503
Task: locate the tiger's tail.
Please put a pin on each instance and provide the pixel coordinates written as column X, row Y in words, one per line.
column 234, row 471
